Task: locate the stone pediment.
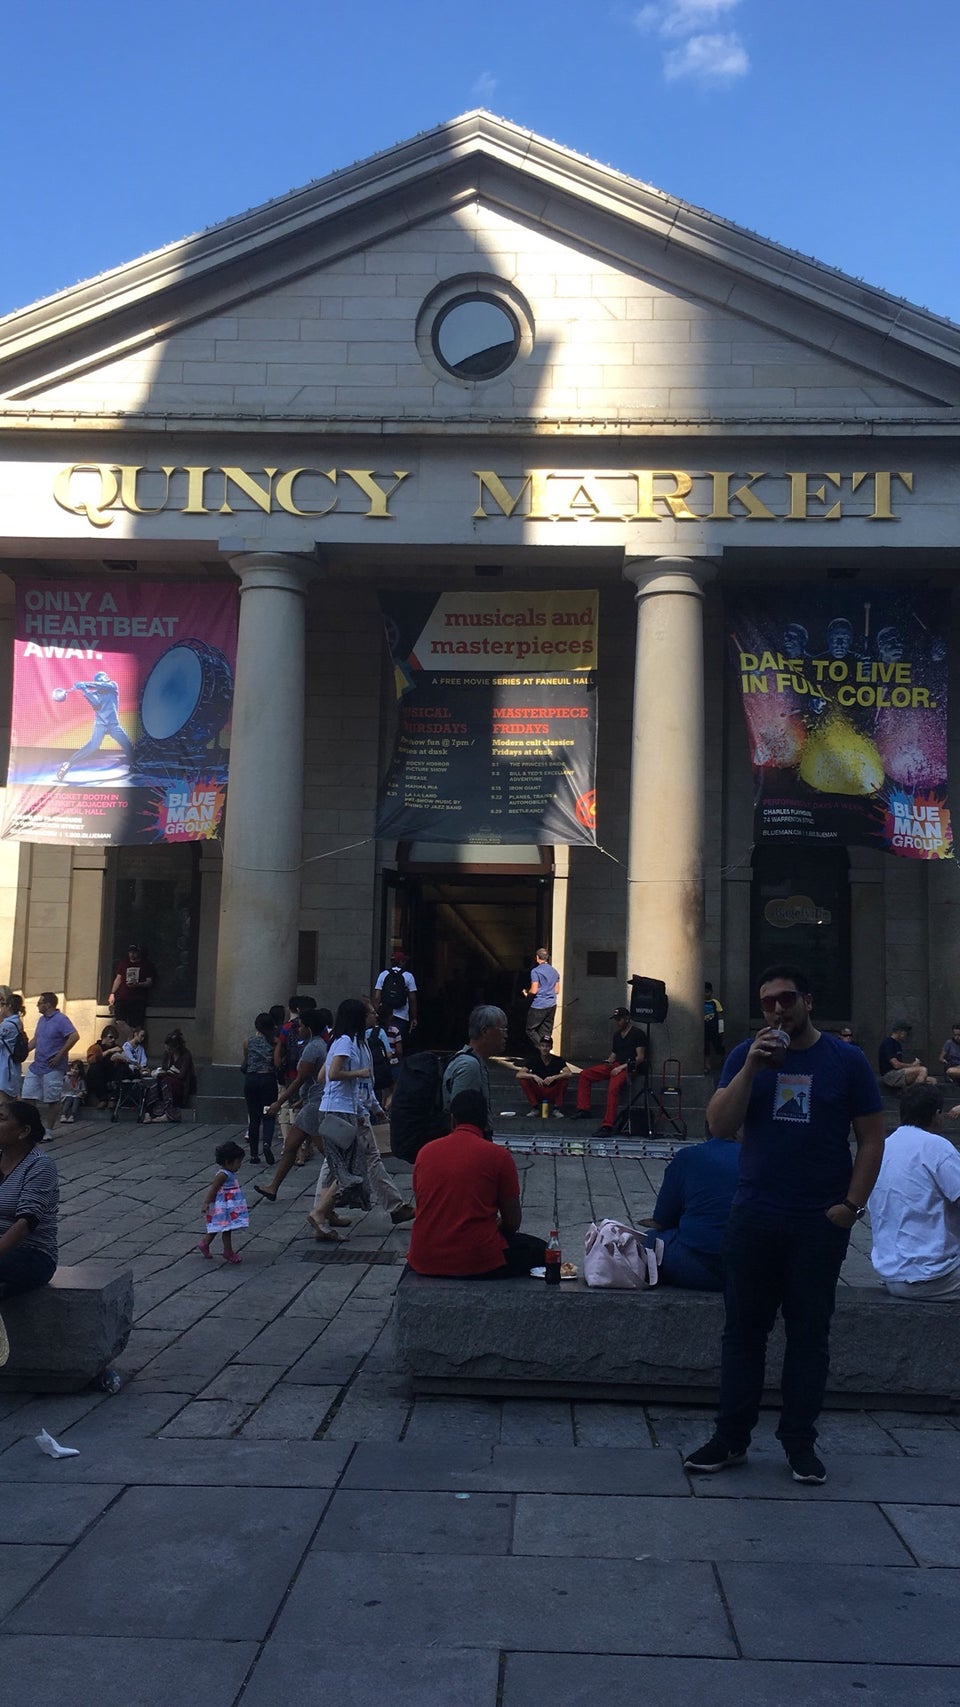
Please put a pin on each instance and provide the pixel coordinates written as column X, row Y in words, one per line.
column 643, row 311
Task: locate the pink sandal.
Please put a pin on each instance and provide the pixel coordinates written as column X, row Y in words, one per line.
column 231, row 1256
column 204, row 1250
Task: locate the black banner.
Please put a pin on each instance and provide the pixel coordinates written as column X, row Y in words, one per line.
column 496, row 718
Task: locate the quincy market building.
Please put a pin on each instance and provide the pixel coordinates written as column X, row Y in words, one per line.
column 479, row 361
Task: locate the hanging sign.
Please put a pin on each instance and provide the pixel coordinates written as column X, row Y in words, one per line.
column 496, row 717
column 845, row 699
column 122, row 694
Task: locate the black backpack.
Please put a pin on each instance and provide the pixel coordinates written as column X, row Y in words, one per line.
column 393, row 992
column 417, row 1113
column 382, row 1070
column 21, row 1047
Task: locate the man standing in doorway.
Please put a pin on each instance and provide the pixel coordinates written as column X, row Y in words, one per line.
column 543, row 987
column 51, row 1043
column 396, row 994
column 798, row 1197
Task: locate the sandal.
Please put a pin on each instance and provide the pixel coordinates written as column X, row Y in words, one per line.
column 262, row 1191
column 231, row 1256
column 325, row 1235
column 204, row 1250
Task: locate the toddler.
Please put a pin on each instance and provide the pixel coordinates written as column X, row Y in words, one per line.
column 73, row 1093
column 225, row 1206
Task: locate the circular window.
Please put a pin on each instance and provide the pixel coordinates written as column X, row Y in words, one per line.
column 476, row 337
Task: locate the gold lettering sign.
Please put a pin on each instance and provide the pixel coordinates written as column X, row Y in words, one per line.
column 99, row 491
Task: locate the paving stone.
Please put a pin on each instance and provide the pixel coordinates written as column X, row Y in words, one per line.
column 284, row 1341
column 536, row 1422
column 577, row 1680
column 923, row 1441
column 301, row 1674
column 845, row 1613
column 20, row 1568
column 378, row 1522
column 207, row 1419
column 128, row 1415
column 514, row 1469
column 290, row 1413
column 122, row 1672
column 932, row 1533
column 158, row 1563
column 586, row 1605
column 610, row 1425
column 52, row 1411
column 57, row 1515
column 250, row 1381
column 187, row 1463
column 453, row 1421
column 921, row 1481
column 596, row 1527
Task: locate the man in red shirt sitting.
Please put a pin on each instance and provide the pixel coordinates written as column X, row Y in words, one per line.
column 468, row 1204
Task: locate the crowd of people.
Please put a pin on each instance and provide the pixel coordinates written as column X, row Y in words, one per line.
column 761, row 1210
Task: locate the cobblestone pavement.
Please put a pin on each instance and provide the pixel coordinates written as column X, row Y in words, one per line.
column 264, row 1513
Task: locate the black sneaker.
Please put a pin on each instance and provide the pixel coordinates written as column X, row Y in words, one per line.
column 806, row 1466
column 604, row 1132
column 716, row 1455
column 581, row 1114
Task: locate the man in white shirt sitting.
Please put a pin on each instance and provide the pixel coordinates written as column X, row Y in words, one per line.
column 915, row 1204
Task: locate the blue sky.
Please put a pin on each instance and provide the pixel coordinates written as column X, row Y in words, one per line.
column 827, row 125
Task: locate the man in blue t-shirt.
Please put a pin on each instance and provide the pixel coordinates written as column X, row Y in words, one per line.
column 692, row 1210
column 799, row 1195
column 543, row 986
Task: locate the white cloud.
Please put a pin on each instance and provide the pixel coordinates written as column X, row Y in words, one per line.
column 484, row 88
column 707, row 59
column 679, row 18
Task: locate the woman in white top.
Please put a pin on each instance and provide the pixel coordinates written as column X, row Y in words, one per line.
column 348, row 1068
column 134, row 1053
column 11, row 1073
column 369, row 1109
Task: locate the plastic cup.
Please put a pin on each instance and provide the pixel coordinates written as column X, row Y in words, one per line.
column 779, row 1041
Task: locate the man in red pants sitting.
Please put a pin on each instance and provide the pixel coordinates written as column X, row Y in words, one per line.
column 627, row 1051
column 545, row 1078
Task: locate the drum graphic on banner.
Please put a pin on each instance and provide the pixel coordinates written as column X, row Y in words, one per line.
column 122, row 697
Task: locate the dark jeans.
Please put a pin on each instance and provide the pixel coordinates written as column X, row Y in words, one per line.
column 683, row 1266
column 23, row 1270
column 259, row 1089
column 774, row 1262
column 540, row 1024
column 524, row 1251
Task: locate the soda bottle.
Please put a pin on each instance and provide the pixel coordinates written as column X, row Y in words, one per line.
column 552, row 1259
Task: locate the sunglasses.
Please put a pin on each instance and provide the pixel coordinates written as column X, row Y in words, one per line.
column 789, row 999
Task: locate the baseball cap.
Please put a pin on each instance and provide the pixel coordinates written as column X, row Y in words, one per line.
column 397, row 954
column 620, row 1013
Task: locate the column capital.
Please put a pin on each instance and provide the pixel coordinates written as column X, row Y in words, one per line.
column 280, row 571
column 669, row 574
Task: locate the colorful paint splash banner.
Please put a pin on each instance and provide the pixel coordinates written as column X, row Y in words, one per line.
column 496, row 717
column 845, row 699
column 122, row 696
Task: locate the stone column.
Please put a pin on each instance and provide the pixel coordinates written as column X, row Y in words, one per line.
column 260, row 898
column 665, row 862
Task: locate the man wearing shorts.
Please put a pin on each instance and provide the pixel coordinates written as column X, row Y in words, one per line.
column 51, row 1044
column 898, row 1069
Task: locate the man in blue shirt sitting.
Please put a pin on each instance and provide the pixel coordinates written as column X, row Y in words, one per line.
column 692, row 1210
column 795, row 1091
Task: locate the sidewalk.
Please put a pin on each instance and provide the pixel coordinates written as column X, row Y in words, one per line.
column 264, row 1513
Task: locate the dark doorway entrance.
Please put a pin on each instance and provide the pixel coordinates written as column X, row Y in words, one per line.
column 471, row 938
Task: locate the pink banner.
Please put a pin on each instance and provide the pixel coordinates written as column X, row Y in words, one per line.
column 122, row 695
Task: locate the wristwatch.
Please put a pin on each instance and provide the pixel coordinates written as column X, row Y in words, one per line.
column 857, row 1209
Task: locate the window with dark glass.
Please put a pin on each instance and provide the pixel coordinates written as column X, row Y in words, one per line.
column 476, row 337
column 800, row 912
column 152, row 897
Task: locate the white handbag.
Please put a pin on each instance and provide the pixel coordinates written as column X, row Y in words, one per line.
column 620, row 1256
